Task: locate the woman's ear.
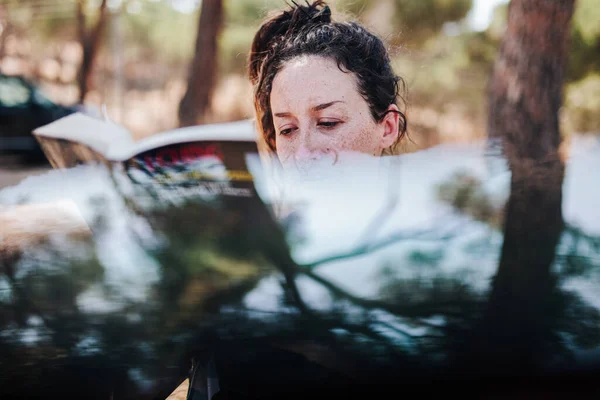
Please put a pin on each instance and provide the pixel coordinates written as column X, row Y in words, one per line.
column 390, row 124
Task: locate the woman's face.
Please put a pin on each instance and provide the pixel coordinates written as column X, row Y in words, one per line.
column 318, row 114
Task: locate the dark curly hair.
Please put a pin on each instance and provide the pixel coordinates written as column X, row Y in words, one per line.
column 309, row 30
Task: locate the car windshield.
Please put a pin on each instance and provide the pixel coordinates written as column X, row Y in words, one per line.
column 274, row 198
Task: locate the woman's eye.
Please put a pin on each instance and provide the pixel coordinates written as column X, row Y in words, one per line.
column 286, row 132
column 328, row 124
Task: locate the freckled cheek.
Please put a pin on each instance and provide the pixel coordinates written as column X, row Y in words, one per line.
column 285, row 150
column 342, row 142
column 358, row 138
column 366, row 140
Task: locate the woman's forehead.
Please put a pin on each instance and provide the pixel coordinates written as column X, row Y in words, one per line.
column 306, row 69
column 312, row 80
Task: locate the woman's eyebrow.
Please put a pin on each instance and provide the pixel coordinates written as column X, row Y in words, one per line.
column 326, row 105
column 319, row 107
column 283, row 114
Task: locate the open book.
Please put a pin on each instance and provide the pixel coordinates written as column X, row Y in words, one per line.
column 182, row 158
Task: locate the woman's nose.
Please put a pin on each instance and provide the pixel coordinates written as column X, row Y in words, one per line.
column 304, row 152
column 309, row 148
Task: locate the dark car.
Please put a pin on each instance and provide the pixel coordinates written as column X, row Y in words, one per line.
column 156, row 283
column 23, row 108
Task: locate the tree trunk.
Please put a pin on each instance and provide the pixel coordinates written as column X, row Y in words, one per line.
column 203, row 70
column 525, row 98
column 90, row 41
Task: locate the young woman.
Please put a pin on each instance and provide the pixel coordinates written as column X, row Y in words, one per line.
column 323, row 88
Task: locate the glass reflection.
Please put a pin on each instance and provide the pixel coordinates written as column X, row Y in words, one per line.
column 477, row 279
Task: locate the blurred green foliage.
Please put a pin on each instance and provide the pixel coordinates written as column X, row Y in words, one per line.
column 582, row 102
column 157, row 28
column 160, row 28
column 249, row 12
column 235, row 43
column 585, row 40
column 416, row 20
column 466, row 194
column 242, row 19
column 445, row 64
column 449, row 70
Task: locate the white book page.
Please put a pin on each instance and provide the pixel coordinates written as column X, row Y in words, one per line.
column 238, row 131
column 101, row 136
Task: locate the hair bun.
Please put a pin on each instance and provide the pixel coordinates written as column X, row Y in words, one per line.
column 325, row 15
column 311, row 13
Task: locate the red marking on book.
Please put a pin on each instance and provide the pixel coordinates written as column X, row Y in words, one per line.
column 182, row 153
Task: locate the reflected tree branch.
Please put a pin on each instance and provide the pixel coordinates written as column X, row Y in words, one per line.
column 423, row 309
column 579, row 234
column 378, row 221
column 426, row 235
column 290, row 279
column 397, row 330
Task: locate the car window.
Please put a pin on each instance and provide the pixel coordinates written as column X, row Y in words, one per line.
column 13, row 92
